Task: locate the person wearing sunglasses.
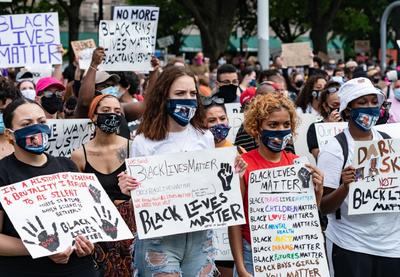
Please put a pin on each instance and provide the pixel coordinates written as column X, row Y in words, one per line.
column 50, row 92
column 328, row 108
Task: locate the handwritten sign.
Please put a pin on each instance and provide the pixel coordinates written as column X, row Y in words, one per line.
column 392, row 129
column 68, row 135
column 326, row 131
column 235, row 118
column 222, row 246
column 284, row 224
column 130, row 39
column 193, row 190
column 376, row 189
column 27, row 39
column 300, row 141
column 296, row 54
column 49, row 211
column 83, row 49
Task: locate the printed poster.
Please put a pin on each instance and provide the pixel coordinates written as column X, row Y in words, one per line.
column 286, row 235
column 49, row 211
column 376, row 189
column 193, row 190
column 29, row 39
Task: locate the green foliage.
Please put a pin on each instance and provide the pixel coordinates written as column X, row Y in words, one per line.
column 22, row 6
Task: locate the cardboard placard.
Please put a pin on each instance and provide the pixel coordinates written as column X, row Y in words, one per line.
column 193, row 190
column 130, row 39
column 68, row 135
column 49, row 211
column 376, row 187
column 362, row 46
column 29, row 39
column 84, row 50
column 296, row 54
column 286, row 235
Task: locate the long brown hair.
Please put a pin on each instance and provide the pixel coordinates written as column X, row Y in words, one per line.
column 154, row 123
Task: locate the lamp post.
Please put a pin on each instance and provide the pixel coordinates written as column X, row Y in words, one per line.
column 95, row 10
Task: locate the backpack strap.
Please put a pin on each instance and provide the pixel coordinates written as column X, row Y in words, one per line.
column 384, row 135
column 341, row 138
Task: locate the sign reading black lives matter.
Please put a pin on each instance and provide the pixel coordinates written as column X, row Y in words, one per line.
column 29, row 39
column 130, row 39
column 193, row 190
column 286, row 236
column 67, row 135
column 376, row 189
column 49, row 211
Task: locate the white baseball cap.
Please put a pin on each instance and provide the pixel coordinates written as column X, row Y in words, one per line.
column 356, row 88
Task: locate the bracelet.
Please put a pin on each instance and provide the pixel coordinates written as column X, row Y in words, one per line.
column 94, row 68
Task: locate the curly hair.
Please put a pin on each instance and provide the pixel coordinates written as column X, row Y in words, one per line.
column 154, row 125
column 262, row 107
column 8, row 90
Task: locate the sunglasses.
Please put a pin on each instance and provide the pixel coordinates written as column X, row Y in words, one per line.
column 332, row 89
column 207, row 101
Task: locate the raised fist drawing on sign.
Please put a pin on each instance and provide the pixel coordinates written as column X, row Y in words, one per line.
column 49, row 241
column 225, row 174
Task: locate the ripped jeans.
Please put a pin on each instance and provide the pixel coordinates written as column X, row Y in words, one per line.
column 186, row 255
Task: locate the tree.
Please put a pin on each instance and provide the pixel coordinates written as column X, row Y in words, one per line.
column 321, row 14
column 215, row 19
column 72, row 11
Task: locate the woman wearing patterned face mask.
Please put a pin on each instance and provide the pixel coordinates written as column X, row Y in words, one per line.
column 105, row 156
column 26, row 128
column 355, row 247
column 272, row 120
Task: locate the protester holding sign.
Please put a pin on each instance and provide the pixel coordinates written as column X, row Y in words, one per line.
column 8, row 93
column 25, row 124
column 272, row 119
column 328, row 108
column 105, row 112
column 172, row 123
column 360, row 245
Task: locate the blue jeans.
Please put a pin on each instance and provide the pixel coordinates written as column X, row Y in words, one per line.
column 189, row 255
column 248, row 259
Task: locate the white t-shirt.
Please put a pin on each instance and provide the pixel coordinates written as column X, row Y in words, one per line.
column 374, row 234
column 188, row 140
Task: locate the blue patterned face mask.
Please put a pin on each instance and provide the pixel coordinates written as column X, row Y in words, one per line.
column 276, row 141
column 34, row 138
column 365, row 118
column 182, row 110
column 220, row 132
column 1, row 124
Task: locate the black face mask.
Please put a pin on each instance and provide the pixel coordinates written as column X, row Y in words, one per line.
column 376, row 80
column 299, row 83
column 108, row 122
column 228, row 93
column 52, row 104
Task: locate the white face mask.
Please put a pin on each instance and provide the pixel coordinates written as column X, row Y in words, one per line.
column 29, row 94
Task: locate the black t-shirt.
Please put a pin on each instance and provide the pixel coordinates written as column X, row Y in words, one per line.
column 13, row 171
column 312, row 141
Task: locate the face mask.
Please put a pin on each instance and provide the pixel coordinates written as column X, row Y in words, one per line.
column 315, row 93
column 1, row 124
column 113, row 90
column 397, row 93
column 376, row 80
column 199, row 61
column 33, row 139
column 52, row 104
column 252, row 83
column 299, row 83
column 228, row 93
column 108, row 122
column 29, row 94
column 182, row 110
column 220, row 132
column 276, row 141
column 365, row 118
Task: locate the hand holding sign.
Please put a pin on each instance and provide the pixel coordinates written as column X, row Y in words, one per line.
column 225, row 174
column 97, row 57
column 108, row 228
column 48, row 241
column 348, row 176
